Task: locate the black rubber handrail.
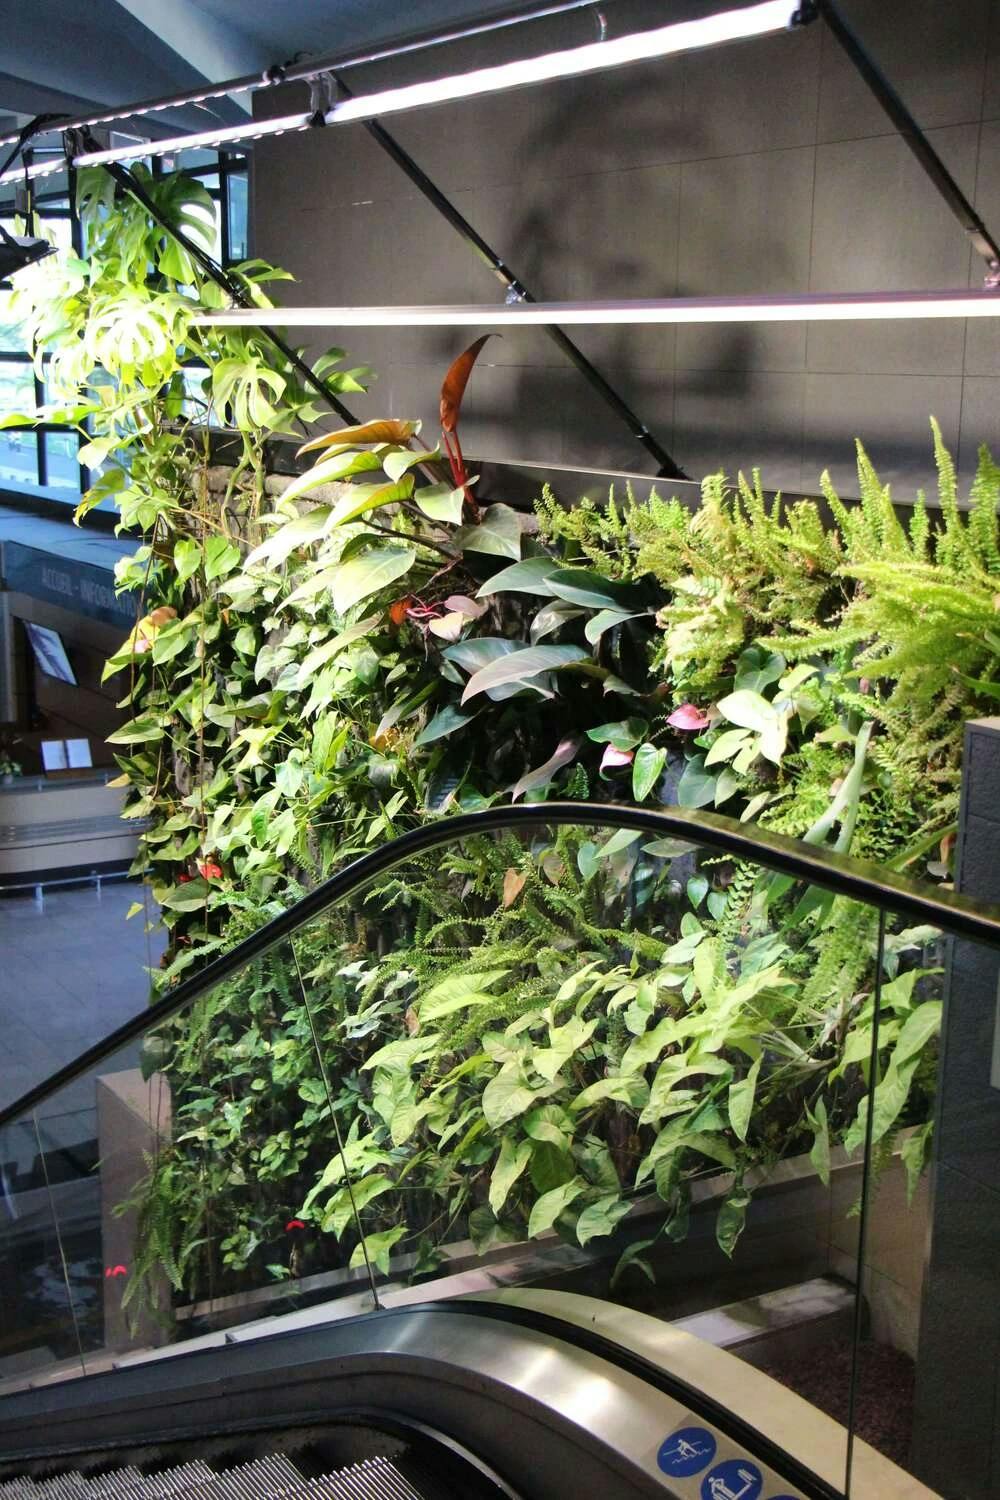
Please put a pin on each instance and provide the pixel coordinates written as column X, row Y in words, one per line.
column 861, row 880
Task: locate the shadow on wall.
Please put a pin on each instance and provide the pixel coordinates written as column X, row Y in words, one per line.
column 733, row 174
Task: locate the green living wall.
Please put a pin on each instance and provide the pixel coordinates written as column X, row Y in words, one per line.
column 521, row 1036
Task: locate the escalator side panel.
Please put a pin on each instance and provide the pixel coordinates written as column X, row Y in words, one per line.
column 553, row 1420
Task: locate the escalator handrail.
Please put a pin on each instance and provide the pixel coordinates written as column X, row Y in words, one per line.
column 859, row 880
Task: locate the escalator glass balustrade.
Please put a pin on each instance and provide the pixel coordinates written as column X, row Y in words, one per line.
column 624, row 1115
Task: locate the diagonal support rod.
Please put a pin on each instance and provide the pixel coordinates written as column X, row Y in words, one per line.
column 984, row 243
column 667, row 468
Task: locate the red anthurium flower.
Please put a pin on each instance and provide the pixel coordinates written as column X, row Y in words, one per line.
column 115, row 1271
column 688, row 717
column 183, row 879
column 210, row 870
column 294, row 1224
column 613, row 757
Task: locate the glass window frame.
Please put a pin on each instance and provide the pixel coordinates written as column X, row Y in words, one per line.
column 58, row 204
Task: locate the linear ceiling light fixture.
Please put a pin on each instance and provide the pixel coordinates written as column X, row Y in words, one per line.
column 314, row 67
column 818, row 307
column 642, row 46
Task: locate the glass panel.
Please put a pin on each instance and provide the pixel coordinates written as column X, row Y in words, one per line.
column 566, row 1061
column 62, row 465
column 920, row 1352
column 18, row 458
column 597, row 1063
column 165, row 1169
column 38, row 1330
column 238, row 216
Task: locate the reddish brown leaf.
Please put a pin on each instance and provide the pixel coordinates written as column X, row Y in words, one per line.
column 455, row 382
column 513, row 885
column 399, row 610
column 411, row 1021
column 388, row 431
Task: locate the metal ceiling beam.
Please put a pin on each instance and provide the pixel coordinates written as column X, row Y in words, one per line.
column 215, row 49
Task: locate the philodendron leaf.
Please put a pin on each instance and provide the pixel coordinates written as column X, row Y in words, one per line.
column 564, row 752
column 732, row 1217
column 439, row 502
column 591, row 589
column 187, row 558
column 601, row 1217
column 507, row 1095
column 646, row 770
column 341, row 466
column 221, row 557
column 624, row 734
column 396, row 463
column 498, row 533
column 477, row 653
column 551, row 1204
column 378, row 1247
column 604, row 620
column 445, row 722
column 510, row 1164
column 741, row 1097
column 362, row 498
column 364, row 575
column 696, row 787
column 820, row 1153
column 749, row 710
column 297, row 533
column 368, row 432
column 454, row 383
column 552, row 618
column 519, row 665
column 527, row 577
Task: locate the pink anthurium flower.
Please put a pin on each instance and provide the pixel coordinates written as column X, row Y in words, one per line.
column 613, row 757
column 688, row 717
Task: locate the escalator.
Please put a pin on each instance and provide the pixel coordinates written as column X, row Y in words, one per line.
column 384, row 1375
column 530, row 1397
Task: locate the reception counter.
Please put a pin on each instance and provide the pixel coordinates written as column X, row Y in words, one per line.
column 56, row 829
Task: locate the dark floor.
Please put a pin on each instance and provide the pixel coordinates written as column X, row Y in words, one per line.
column 71, row 970
column 884, row 1406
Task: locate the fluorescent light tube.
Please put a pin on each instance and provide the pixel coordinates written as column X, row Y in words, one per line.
column 220, row 135
column 642, row 46
column 814, row 308
column 34, row 169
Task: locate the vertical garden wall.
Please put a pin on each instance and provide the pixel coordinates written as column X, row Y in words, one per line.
column 525, row 1036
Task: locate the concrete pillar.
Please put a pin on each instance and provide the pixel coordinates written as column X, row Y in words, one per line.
column 956, row 1448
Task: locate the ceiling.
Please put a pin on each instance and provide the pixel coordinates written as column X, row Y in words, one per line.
column 63, row 56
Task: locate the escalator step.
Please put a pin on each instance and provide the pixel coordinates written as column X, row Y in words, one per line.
column 274, row 1477
column 170, row 1481
column 369, row 1479
column 263, row 1477
column 120, row 1484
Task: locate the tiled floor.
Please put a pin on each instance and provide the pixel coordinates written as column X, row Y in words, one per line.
column 71, row 970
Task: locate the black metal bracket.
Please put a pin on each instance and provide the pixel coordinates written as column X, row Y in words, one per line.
column 322, row 93
column 516, row 291
column 984, row 243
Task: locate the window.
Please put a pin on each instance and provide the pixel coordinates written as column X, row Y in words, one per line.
column 44, row 462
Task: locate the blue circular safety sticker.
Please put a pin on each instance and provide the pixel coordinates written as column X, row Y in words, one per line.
column 686, row 1452
column 736, row 1479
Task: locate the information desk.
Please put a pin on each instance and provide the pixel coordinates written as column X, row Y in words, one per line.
column 56, row 829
